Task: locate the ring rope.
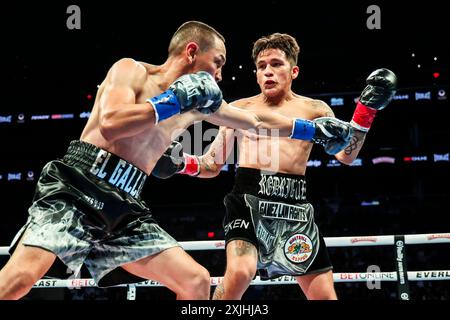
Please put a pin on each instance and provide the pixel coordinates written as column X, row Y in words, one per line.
column 354, row 241
column 337, row 277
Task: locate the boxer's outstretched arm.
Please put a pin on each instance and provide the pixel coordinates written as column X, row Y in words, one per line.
column 263, row 122
column 120, row 116
column 176, row 161
column 330, row 132
column 350, row 153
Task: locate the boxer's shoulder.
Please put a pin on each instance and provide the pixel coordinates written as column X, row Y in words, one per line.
column 319, row 107
column 129, row 71
column 247, row 102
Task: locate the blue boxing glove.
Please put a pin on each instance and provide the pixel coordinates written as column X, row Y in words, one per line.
column 191, row 91
column 333, row 134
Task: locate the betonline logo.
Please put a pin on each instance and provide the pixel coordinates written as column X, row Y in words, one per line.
column 415, row 158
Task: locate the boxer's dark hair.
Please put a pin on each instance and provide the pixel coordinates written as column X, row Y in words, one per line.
column 282, row 41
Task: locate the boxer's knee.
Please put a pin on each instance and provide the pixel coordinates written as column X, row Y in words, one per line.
column 198, row 286
column 241, row 272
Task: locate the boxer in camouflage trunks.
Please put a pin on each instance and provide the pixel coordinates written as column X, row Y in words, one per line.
column 269, row 225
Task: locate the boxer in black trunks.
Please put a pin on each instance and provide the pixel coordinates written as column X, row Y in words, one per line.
column 269, row 225
column 87, row 208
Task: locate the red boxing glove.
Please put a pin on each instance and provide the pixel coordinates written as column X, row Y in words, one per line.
column 191, row 165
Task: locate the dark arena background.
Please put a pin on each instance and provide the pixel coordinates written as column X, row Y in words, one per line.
column 398, row 186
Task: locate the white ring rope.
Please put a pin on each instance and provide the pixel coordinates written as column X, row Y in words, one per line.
column 356, row 241
column 337, row 277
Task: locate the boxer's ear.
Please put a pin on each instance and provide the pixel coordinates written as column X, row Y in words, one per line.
column 294, row 72
column 191, row 52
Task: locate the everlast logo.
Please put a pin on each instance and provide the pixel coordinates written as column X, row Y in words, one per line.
column 283, row 187
column 7, row 119
column 118, row 173
column 191, row 89
column 423, row 95
column 441, row 157
column 264, row 236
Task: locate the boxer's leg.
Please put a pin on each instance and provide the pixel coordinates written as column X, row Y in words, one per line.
column 26, row 266
column 318, row 286
column 175, row 269
column 242, row 258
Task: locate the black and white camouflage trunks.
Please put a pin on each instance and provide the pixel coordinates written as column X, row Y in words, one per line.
column 87, row 210
column 270, row 211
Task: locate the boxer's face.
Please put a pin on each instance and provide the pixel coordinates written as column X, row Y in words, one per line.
column 212, row 60
column 274, row 73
